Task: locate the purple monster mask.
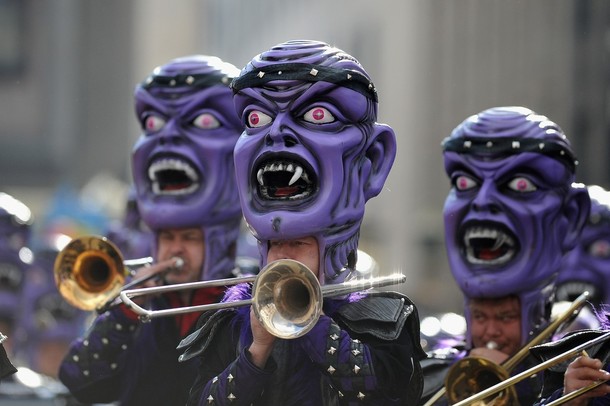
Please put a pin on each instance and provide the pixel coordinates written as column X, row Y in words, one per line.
column 513, row 210
column 587, row 266
column 15, row 223
column 13, row 271
column 312, row 154
column 44, row 314
column 183, row 162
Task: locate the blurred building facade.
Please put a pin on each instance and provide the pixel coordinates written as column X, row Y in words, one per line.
column 70, row 66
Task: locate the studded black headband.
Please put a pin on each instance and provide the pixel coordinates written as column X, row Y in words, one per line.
column 551, row 148
column 306, row 72
column 194, row 80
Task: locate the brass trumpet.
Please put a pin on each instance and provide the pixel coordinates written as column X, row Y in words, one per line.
column 286, row 296
column 90, row 272
column 465, row 376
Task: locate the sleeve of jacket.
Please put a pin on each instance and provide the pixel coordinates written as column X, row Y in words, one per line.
column 239, row 383
column 94, row 363
column 371, row 353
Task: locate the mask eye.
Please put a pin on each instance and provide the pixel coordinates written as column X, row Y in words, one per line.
column 464, row 182
column 257, row 119
column 522, row 185
column 599, row 249
column 319, row 115
column 206, row 121
column 153, row 123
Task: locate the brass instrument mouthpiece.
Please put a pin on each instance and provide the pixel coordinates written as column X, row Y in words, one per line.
column 179, row 262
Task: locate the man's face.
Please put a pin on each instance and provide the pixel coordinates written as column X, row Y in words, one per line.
column 186, row 243
column 497, row 321
column 304, row 250
column 504, row 220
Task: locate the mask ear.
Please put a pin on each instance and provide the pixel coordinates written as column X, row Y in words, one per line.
column 576, row 212
column 380, row 156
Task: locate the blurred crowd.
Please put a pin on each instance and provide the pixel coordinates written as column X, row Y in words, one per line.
column 38, row 322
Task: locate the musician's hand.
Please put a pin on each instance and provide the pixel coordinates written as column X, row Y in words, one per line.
column 147, row 271
column 581, row 372
column 493, row 355
column 261, row 347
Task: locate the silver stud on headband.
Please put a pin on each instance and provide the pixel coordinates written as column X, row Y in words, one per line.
column 516, row 145
column 261, row 74
column 190, row 80
column 313, row 72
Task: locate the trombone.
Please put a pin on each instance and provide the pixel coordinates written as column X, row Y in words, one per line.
column 477, row 398
column 286, row 296
column 464, row 372
column 90, row 272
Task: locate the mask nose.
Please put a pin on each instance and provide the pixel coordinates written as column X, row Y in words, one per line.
column 485, row 199
column 280, row 133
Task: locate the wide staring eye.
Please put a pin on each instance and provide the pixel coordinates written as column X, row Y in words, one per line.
column 153, row 123
column 257, row 119
column 599, row 249
column 206, row 121
column 319, row 115
column 522, row 185
column 464, row 182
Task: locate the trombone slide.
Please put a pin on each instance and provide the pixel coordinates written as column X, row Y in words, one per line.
column 146, row 315
column 286, row 296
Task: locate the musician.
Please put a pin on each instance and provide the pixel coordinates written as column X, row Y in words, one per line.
column 585, row 368
column 16, row 266
column 48, row 324
column 6, row 366
column 183, row 172
column 586, row 267
column 12, row 275
column 310, row 157
column 16, row 258
column 511, row 213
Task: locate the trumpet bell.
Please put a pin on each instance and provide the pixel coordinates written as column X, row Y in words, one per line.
column 287, row 299
column 89, row 271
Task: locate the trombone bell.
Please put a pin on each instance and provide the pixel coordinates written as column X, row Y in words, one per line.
column 89, row 271
column 473, row 375
column 287, row 299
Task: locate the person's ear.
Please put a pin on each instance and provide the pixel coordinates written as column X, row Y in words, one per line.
column 576, row 211
column 380, row 156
